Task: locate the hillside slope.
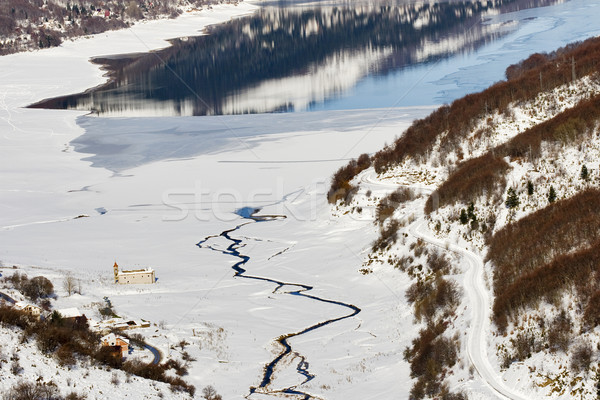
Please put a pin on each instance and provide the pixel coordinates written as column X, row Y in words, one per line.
column 510, row 174
column 37, row 24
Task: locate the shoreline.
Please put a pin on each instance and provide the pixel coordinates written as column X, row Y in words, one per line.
column 71, row 61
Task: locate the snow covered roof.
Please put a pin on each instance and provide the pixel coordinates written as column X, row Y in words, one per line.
column 112, row 338
column 136, row 271
column 22, row 305
column 70, row 312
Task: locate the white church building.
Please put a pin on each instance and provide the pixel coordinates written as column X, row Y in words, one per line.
column 134, row 276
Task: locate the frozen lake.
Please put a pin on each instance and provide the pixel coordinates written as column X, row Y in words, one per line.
column 324, row 56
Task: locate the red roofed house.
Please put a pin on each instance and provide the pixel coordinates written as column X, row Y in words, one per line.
column 119, row 344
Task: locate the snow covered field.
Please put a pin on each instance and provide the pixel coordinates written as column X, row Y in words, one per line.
column 164, row 184
column 153, row 215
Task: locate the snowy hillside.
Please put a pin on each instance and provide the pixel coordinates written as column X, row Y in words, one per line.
column 27, row 25
column 510, row 204
column 303, row 299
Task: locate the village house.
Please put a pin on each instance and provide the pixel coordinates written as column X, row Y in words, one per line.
column 135, row 276
column 73, row 315
column 30, row 309
column 119, row 345
column 120, row 324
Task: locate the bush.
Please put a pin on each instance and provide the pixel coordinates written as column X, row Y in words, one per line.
column 544, row 253
column 38, row 287
column 209, row 393
column 524, row 345
column 591, row 316
column 341, row 189
column 391, row 202
column 433, row 298
column 387, row 236
column 472, row 179
column 581, row 358
column 559, row 333
column 438, row 263
column 75, row 396
column 429, row 355
column 34, row 288
column 30, row 391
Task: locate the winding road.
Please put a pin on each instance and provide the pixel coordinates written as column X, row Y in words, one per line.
column 302, row 366
column 474, row 286
column 479, row 303
column 7, row 298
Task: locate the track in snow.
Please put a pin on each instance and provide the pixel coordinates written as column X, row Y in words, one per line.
column 480, row 307
column 475, row 289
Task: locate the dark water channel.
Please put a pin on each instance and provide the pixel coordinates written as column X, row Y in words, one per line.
column 287, row 57
column 295, row 289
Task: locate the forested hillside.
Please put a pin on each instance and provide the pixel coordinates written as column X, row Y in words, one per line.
column 36, row 24
column 511, row 174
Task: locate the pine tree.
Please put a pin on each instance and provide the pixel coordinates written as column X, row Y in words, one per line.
column 512, row 200
column 584, row 173
column 551, row 195
column 471, row 212
column 464, row 218
column 530, row 188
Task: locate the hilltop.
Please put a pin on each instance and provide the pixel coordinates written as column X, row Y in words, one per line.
column 37, row 24
column 490, row 206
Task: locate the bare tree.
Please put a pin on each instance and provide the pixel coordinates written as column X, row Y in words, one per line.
column 209, row 393
column 69, row 284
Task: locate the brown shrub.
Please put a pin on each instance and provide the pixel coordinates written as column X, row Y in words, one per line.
column 524, row 345
column 564, row 128
column 419, row 247
column 30, row 391
column 431, row 298
column 65, row 355
column 472, row 179
column 438, row 263
column 545, row 253
column 388, row 235
column 341, row 189
column 391, row 202
column 559, row 333
column 591, row 316
column 535, row 240
column 430, row 353
column 581, row 358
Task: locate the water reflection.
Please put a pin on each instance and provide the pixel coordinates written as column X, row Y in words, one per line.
column 289, row 59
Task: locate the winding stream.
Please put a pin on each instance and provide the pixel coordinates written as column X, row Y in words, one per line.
column 302, row 368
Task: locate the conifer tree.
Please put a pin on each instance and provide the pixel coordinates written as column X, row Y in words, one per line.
column 584, row 173
column 512, row 200
column 551, row 195
column 471, row 212
column 464, row 218
column 530, row 188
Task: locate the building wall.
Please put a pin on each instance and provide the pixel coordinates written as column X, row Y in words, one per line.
column 137, row 278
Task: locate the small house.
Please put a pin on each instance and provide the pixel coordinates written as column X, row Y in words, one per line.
column 73, row 315
column 120, row 324
column 119, row 344
column 30, row 309
column 135, row 276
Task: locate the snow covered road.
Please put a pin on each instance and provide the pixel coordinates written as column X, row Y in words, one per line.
column 474, row 286
column 480, row 305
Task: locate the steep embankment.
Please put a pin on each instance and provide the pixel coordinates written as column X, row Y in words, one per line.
column 511, row 174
